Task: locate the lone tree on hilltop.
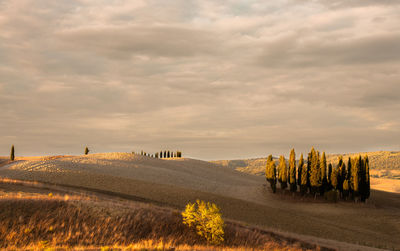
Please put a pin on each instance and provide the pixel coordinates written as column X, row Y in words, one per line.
column 282, row 172
column 12, row 154
column 86, row 150
column 292, row 171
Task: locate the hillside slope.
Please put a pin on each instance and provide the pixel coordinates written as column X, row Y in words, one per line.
column 242, row 197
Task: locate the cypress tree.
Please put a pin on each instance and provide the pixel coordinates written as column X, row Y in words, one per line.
column 168, row 154
column 355, row 177
column 86, row 150
column 349, row 168
column 282, row 172
column 299, row 170
column 343, row 176
column 315, row 172
column 270, row 173
column 367, row 191
column 339, row 175
column 363, row 179
column 165, row 154
column 334, row 178
column 345, row 189
column 329, row 177
column 292, row 171
column 324, row 185
column 12, row 153
column 303, row 181
column 308, row 172
column 348, row 175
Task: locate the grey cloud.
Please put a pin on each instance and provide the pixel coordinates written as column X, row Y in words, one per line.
column 291, row 52
column 137, row 40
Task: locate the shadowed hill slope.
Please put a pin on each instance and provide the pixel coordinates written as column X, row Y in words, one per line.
column 242, row 197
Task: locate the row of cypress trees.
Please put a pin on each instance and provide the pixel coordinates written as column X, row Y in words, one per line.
column 316, row 177
column 163, row 154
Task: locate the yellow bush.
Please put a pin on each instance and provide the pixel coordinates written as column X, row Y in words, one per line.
column 207, row 220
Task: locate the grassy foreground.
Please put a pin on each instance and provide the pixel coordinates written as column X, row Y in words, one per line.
column 33, row 216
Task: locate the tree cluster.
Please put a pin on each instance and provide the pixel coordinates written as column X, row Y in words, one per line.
column 162, row 154
column 317, row 178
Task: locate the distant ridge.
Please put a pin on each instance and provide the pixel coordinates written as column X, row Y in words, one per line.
column 382, row 160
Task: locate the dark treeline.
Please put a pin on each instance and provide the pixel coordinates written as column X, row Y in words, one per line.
column 162, row 154
column 313, row 176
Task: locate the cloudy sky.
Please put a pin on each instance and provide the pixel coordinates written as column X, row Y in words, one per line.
column 215, row 79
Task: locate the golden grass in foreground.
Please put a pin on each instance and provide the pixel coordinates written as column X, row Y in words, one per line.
column 52, row 221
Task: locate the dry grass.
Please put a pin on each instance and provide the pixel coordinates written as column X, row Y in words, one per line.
column 37, row 221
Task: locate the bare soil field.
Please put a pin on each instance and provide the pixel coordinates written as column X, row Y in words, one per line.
column 242, row 197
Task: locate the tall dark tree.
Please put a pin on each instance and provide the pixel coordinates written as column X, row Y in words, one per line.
column 12, row 153
column 367, row 191
column 165, row 154
column 299, row 170
column 161, row 154
column 329, row 176
column 308, row 172
column 364, row 179
column 86, row 150
column 168, row 154
column 349, row 168
column 348, row 176
column 292, row 171
column 282, row 174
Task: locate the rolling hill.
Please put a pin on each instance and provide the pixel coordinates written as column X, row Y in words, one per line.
column 242, row 197
column 384, row 163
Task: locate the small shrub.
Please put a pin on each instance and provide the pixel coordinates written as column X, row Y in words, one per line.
column 207, row 220
column 86, row 150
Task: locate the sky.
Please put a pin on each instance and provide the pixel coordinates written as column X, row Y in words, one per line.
column 214, row 79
